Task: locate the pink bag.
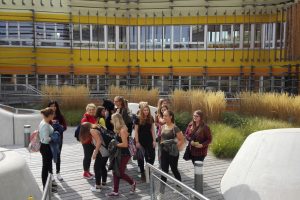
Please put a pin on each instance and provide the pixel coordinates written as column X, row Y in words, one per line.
column 35, row 143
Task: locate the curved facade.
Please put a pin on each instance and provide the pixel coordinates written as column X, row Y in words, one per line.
column 228, row 45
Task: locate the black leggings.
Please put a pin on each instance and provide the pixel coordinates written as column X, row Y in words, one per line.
column 88, row 150
column 58, row 158
column 166, row 161
column 149, row 157
column 47, row 162
column 100, row 169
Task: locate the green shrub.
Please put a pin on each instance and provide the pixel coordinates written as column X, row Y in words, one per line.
column 73, row 117
column 226, row 140
column 233, row 119
column 254, row 124
column 182, row 120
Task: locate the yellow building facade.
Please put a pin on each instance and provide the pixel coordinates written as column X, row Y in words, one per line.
column 228, row 45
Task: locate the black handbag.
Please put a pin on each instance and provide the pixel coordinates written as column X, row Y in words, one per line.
column 188, row 153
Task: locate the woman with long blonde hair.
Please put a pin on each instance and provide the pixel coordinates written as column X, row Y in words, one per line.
column 122, row 137
column 145, row 138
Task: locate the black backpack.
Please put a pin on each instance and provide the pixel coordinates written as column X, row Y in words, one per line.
column 107, row 135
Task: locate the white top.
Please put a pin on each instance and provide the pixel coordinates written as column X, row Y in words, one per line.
column 45, row 130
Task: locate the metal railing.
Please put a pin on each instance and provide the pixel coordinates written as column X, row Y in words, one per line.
column 47, row 193
column 185, row 192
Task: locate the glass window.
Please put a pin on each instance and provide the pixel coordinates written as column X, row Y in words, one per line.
column 133, row 32
column 40, row 30
column 111, row 36
column 76, row 32
column 63, row 32
column 236, row 35
column 167, row 36
column 13, row 30
column 176, row 35
column 158, row 31
column 269, row 35
column 85, row 31
column 122, row 37
column 213, row 35
column 146, row 37
column 226, row 33
column 2, row 29
column 50, row 31
column 279, row 34
column 247, row 35
column 185, row 34
column 26, row 30
column 257, row 36
column 98, row 33
column 198, row 33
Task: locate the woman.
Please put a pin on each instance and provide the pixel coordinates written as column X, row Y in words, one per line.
column 45, row 131
column 199, row 136
column 58, row 119
column 145, row 138
column 87, row 133
column 100, row 116
column 122, row 108
column 170, row 136
column 159, row 122
column 122, row 137
column 88, row 147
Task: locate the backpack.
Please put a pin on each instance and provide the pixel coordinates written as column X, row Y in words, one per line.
column 131, row 146
column 35, row 142
column 107, row 135
column 77, row 131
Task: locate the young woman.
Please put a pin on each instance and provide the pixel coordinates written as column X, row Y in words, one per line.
column 159, row 122
column 199, row 136
column 170, row 134
column 122, row 137
column 122, row 108
column 87, row 133
column 100, row 116
column 58, row 118
column 88, row 147
column 45, row 131
column 145, row 138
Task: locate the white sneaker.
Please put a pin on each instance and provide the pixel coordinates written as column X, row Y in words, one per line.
column 58, row 176
column 95, row 189
column 159, row 196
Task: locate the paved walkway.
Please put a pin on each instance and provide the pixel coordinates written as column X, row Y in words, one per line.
column 75, row 187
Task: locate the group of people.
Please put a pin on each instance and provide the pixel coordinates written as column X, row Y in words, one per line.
column 150, row 132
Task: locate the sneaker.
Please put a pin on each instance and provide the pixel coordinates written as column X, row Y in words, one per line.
column 143, row 177
column 54, row 184
column 112, row 194
column 133, row 187
column 95, row 189
column 58, row 176
column 54, row 190
column 87, row 176
column 92, row 175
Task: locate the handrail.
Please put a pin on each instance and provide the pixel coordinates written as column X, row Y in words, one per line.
column 48, row 188
column 183, row 186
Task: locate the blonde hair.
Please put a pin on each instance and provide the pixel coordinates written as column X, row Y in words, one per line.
column 47, row 112
column 118, row 122
column 90, row 106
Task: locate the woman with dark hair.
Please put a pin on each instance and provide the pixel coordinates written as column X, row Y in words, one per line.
column 199, row 136
column 58, row 119
column 89, row 132
column 45, row 131
column 172, row 141
column 145, row 138
column 159, row 122
column 122, row 108
column 100, row 115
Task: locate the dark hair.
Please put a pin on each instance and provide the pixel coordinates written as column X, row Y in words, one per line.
column 159, row 111
column 99, row 111
column 108, row 105
column 47, row 112
column 84, row 133
column 171, row 113
column 58, row 114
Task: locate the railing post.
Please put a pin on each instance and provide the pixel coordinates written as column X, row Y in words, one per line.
column 152, row 189
column 26, row 135
column 147, row 170
column 50, row 187
column 198, row 184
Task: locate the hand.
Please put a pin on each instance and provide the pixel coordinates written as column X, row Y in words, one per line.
column 94, row 155
column 199, row 146
column 138, row 145
column 154, row 144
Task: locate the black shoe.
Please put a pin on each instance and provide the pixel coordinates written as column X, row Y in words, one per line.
column 54, row 184
column 143, row 176
column 54, row 190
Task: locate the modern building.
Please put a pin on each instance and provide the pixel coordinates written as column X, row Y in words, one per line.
column 229, row 45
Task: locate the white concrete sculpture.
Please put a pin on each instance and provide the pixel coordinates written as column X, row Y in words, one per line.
column 134, row 107
column 16, row 179
column 267, row 167
column 12, row 123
